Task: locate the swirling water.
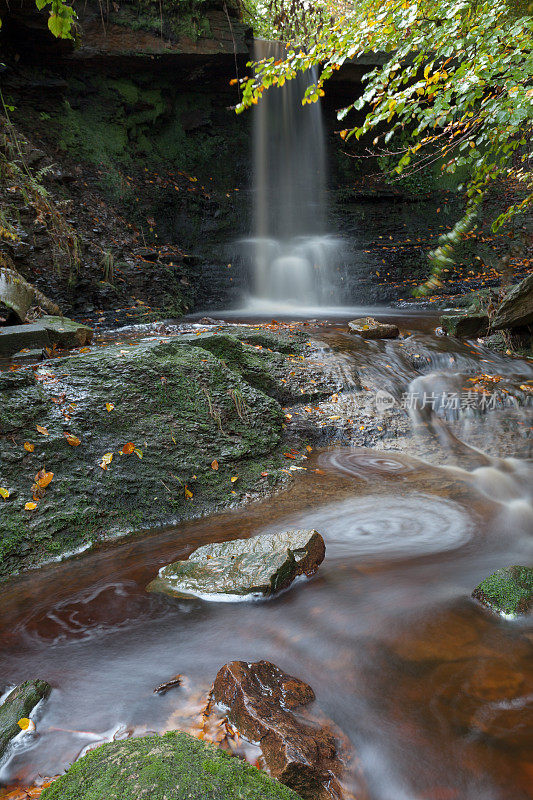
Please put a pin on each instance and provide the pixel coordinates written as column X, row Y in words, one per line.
column 432, row 691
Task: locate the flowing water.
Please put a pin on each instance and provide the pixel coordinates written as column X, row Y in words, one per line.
column 433, row 692
column 291, row 254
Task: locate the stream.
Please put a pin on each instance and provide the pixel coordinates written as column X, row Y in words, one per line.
column 430, row 688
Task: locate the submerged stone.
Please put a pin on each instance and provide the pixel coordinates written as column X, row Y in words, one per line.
column 259, row 698
column 370, row 328
column 18, row 704
column 508, row 590
column 260, row 565
column 175, row 766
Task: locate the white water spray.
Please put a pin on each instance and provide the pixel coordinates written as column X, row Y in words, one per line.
column 292, row 256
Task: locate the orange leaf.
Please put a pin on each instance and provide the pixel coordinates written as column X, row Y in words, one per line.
column 42, row 430
column 30, row 506
column 128, row 448
column 214, row 464
column 308, row 448
column 43, row 478
column 264, row 474
column 72, row 440
column 109, row 406
column 235, row 478
column 188, row 493
column 29, row 447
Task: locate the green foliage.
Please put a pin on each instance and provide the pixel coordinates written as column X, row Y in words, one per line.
column 456, row 80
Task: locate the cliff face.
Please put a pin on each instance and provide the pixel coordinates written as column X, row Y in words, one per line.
column 131, row 132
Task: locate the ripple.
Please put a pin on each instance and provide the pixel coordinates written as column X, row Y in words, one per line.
column 364, row 464
column 391, row 525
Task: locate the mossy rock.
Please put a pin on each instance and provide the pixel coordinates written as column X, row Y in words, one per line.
column 175, row 766
column 465, row 325
column 508, row 590
column 19, row 704
column 180, row 405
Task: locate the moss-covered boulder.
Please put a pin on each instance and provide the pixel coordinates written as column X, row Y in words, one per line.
column 508, row 590
column 19, row 704
column 175, row 766
column 180, row 407
column 260, row 565
column 465, row 325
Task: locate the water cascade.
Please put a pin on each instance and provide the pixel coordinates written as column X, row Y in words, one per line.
column 291, row 254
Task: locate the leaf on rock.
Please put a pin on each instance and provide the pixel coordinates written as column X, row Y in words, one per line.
column 107, row 458
column 4, row 493
column 44, row 478
column 109, row 406
column 72, row 440
column 235, row 478
column 30, row 506
column 29, row 447
column 214, row 464
column 42, row 430
column 128, row 448
column 188, row 493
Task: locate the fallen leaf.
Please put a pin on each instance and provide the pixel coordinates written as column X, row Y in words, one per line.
column 29, row 447
column 264, row 474
column 72, row 440
column 42, row 430
column 30, row 506
column 26, row 724
column 188, row 493
column 138, row 453
column 309, row 448
column 4, row 493
column 214, row 464
column 109, row 406
column 43, row 478
column 106, row 460
column 235, row 478
column 128, row 448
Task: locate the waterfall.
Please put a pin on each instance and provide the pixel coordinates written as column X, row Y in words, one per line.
column 291, row 255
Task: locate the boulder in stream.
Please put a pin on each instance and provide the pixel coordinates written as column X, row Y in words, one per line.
column 175, row 766
column 261, row 565
column 508, row 590
column 259, row 698
column 370, row 328
column 19, row 704
column 465, row 325
column 516, row 309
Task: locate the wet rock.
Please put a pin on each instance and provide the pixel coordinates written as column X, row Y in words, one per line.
column 180, row 405
column 18, row 704
column 465, row 325
column 66, row 333
column 28, row 356
column 516, row 309
column 259, row 698
column 508, row 590
column 175, row 765
column 369, row 328
column 20, row 337
column 260, row 565
column 18, row 295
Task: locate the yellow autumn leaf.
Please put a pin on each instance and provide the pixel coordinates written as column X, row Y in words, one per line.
column 138, row 453
column 188, row 493
column 214, row 464
column 4, row 493
column 109, row 406
column 73, row 440
column 42, row 430
column 26, row 724
column 30, row 506
column 235, row 478
column 107, row 458
column 29, row 447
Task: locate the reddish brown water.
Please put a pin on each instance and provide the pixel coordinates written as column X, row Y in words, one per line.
column 433, row 691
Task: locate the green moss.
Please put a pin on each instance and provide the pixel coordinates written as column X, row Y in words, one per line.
column 508, row 590
column 18, row 704
column 179, row 404
column 175, row 766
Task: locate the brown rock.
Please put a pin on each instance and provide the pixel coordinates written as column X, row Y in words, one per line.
column 370, row 328
column 259, row 698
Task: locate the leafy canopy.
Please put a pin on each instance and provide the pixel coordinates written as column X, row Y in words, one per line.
column 456, row 87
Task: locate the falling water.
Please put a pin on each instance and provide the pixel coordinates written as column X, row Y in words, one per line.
column 291, row 253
